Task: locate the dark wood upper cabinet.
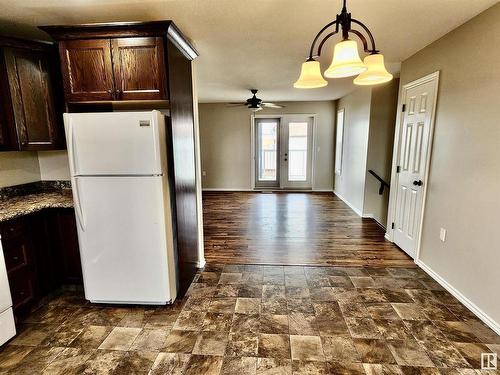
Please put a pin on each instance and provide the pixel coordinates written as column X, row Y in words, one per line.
column 139, row 68
column 87, row 70
column 31, row 119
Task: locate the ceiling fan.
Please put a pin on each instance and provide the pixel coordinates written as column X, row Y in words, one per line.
column 256, row 104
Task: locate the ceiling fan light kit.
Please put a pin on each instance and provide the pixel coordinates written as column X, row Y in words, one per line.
column 346, row 61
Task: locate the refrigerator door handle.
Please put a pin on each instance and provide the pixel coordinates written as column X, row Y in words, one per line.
column 78, row 206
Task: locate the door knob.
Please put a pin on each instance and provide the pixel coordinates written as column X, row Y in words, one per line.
column 418, row 183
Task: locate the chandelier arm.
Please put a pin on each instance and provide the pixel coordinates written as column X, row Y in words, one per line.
column 362, row 38
column 328, row 36
column 372, row 40
column 311, row 50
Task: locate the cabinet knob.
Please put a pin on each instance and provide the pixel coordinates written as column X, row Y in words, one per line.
column 15, row 258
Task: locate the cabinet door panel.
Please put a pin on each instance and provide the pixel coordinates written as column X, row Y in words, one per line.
column 32, row 99
column 87, row 70
column 139, row 68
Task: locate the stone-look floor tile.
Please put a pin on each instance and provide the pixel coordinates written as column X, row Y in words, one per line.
column 461, row 371
column 393, row 329
column 150, row 339
column 485, row 334
column 134, row 319
column 278, row 306
column 318, row 282
column 169, row 363
column 369, row 295
column 374, row 351
column 354, row 310
column 457, row 331
column 250, row 291
column 444, row 354
column 424, row 330
column 339, row 348
column 273, row 292
column 413, row 370
column 310, row 368
column 382, row 369
column 462, row 313
column 180, row 342
column 203, row 365
column 162, row 319
column 438, row 312
column 445, row 297
column 300, row 305
column 217, row 322
column 382, row 311
column 409, row 311
column 302, row 324
column 326, row 293
column 239, row 366
column 353, row 271
column 274, row 346
column 103, row 362
column 270, row 323
column 136, row 363
column 233, row 268
column 227, row 290
column 11, row 356
column 345, row 368
column 202, row 290
column 245, row 323
column 222, row 305
column 252, row 278
column 63, row 336
column 295, row 292
column 91, row 337
column 230, row 278
column 248, row 306
column 495, row 348
column 363, row 328
column 242, row 344
column 211, row 343
column 297, row 281
column 72, row 361
column 190, row 321
column 197, row 304
column 208, row 277
column 306, row 348
column 36, row 360
column 396, row 295
column 274, row 366
column 33, row 334
column 409, row 353
column 273, row 280
column 341, row 281
column 362, row 281
column 471, row 352
column 120, row 338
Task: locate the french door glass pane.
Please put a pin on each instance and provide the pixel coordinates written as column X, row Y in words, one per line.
column 297, row 151
column 268, row 148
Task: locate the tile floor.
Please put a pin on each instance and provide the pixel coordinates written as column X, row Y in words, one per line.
column 262, row 320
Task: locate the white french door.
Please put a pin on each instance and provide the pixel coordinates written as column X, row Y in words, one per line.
column 283, row 152
column 414, row 147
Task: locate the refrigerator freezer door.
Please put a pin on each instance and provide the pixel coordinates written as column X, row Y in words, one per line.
column 115, row 143
column 123, row 240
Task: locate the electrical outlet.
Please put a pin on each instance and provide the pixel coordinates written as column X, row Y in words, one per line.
column 203, row 173
column 442, row 234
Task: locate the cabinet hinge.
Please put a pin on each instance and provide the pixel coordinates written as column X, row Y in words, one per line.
column 398, row 169
column 403, row 109
column 392, row 226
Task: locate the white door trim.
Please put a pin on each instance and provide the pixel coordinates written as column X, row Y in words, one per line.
column 395, row 154
column 280, row 117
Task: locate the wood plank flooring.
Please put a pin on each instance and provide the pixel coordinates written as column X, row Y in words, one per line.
column 293, row 229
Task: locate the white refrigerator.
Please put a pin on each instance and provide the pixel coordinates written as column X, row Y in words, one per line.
column 7, row 326
column 119, row 177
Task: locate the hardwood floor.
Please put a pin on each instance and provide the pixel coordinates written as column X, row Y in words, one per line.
column 293, row 229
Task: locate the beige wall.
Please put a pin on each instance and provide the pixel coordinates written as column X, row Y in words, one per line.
column 464, row 182
column 380, row 145
column 18, row 168
column 225, row 135
column 350, row 185
column 54, row 165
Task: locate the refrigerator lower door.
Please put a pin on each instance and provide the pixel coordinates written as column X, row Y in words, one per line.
column 125, row 246
column 7, row 326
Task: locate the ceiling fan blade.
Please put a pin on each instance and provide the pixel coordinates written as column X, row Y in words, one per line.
column 272, row 105
column 236, row 104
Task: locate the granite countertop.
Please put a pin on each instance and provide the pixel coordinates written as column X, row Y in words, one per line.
column 13, row 207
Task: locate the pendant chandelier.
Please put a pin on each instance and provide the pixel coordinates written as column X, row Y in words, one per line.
column 346, row 61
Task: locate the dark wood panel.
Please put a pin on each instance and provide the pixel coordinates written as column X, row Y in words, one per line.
column 139, row 68
column 87, row 70
column 293, row 229
column 183, row 154
column 32, row 97
column 69, row 251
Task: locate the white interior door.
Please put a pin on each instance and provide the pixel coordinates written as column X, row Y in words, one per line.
column 296, row 152
column 414, row 146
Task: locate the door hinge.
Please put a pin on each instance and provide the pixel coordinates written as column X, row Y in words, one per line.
column 392, row 226
column 404, row 108
column 398, row 169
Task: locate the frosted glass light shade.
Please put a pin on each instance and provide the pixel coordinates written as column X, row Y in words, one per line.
column 346, row 61
column 310, row 76
column 376, row 72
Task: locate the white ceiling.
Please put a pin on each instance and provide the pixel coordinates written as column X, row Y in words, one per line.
column 260, row 44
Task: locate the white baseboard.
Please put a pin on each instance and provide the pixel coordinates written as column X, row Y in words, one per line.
column 387, row 236
column 323, row 190
column 368, row 216
column 357, row 211
column 495, row 326
column 201, row 263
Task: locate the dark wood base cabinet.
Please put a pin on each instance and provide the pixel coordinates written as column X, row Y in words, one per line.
column 41, row 254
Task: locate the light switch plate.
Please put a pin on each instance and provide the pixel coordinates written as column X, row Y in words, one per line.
column 442, row 234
